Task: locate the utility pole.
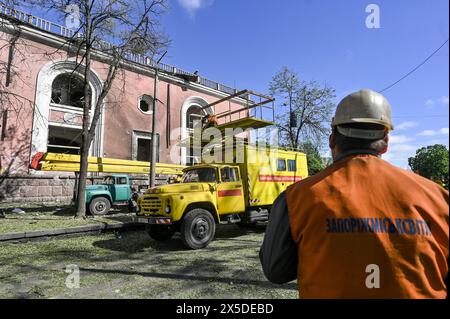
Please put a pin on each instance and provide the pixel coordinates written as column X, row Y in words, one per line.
column 151, row 181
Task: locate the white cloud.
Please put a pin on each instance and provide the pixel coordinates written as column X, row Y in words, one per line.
column 427, row 133
column 429, row 103
column 193, row 5
column 406, row 125
column 398, row 154
column 399, row 139
column 443, row 131
column 444, row 100
column 402, row 147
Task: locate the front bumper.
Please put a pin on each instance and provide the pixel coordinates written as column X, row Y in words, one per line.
column 152, row 220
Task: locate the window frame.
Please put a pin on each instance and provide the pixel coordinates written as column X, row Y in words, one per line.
column 284, row 165
column 136, row 135
column 149, row 100
column 289, row 167
column 237, row 175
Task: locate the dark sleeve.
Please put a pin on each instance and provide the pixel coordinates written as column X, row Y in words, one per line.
column 279, row 252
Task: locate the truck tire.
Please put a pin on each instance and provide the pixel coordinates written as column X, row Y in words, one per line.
column 99, row 206
column 197, row 228
column 160, row 232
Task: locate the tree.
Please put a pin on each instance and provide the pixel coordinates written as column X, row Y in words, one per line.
column 118, row 29
column 315, row 162
column 431, row 162
column 306, row 108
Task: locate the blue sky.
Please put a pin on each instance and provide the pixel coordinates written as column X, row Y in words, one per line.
column 244, row 43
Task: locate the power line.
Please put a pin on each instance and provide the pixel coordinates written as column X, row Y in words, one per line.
column 416, row 68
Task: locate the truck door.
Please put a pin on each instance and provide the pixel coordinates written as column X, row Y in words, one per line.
column 230, row 193
column 121, row 189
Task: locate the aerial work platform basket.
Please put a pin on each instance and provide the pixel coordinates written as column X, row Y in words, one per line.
column 256, row 109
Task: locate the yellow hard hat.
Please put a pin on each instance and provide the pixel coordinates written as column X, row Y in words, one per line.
column 364, row 106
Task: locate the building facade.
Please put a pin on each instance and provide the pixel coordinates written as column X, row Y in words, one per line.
column 41, row 96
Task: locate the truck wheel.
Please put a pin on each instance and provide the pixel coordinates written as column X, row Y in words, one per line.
column 198, row 228
column 99, row 206
column 160, row 232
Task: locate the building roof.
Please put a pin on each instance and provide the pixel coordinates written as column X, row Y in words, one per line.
column 62, row 31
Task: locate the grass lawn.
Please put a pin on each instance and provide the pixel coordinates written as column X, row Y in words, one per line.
column 131, row 265
column 39, row 216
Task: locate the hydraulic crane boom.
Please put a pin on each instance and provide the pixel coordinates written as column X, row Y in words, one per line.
column 71, row 163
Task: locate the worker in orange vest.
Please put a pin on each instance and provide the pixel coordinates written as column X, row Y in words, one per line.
column 361, row 228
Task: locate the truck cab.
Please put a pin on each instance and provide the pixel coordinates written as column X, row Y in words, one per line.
column 113, row 190
column 206, row 195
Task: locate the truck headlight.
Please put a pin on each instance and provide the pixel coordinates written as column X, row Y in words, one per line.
column 168, row 208
column 154, row 190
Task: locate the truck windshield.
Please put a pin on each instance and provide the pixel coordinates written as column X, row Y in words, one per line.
column 200, row 175
column 108, row 180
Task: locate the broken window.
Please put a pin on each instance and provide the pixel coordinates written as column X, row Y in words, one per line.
column 63, row 140
column 68, row 90
column 142, row 146
column 146, row 104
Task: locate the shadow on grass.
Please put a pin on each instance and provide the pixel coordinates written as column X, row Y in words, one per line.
column 119, row 218
column 59, row 210
column 224, row 280
column 120, row 245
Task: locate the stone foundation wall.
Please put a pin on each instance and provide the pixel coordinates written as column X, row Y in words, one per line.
column 32, row 188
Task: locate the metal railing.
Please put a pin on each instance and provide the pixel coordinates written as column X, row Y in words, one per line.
column 60, row 30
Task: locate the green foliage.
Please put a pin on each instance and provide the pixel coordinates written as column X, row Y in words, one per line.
column 431, row 162
column 314, row 160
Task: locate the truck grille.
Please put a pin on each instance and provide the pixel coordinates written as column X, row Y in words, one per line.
column 151, row 204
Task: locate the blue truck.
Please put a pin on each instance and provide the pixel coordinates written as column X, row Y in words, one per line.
column 114, row 190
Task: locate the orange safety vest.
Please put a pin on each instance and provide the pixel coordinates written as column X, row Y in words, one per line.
column 367, row 229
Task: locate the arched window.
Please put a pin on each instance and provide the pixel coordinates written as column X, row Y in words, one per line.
column 194, row 117
column 68, row 90
column 145, row 104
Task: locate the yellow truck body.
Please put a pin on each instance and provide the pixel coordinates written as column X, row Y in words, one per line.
column 241, row 188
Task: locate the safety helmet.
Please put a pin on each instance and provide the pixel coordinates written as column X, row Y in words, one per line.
column 364, row 106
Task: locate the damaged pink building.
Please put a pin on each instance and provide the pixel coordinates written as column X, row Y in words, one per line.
column 41, row 107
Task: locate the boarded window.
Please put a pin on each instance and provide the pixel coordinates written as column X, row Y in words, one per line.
column 292, row 165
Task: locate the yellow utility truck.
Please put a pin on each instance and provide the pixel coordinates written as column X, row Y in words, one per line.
column 219, row 193
column 239, row 187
